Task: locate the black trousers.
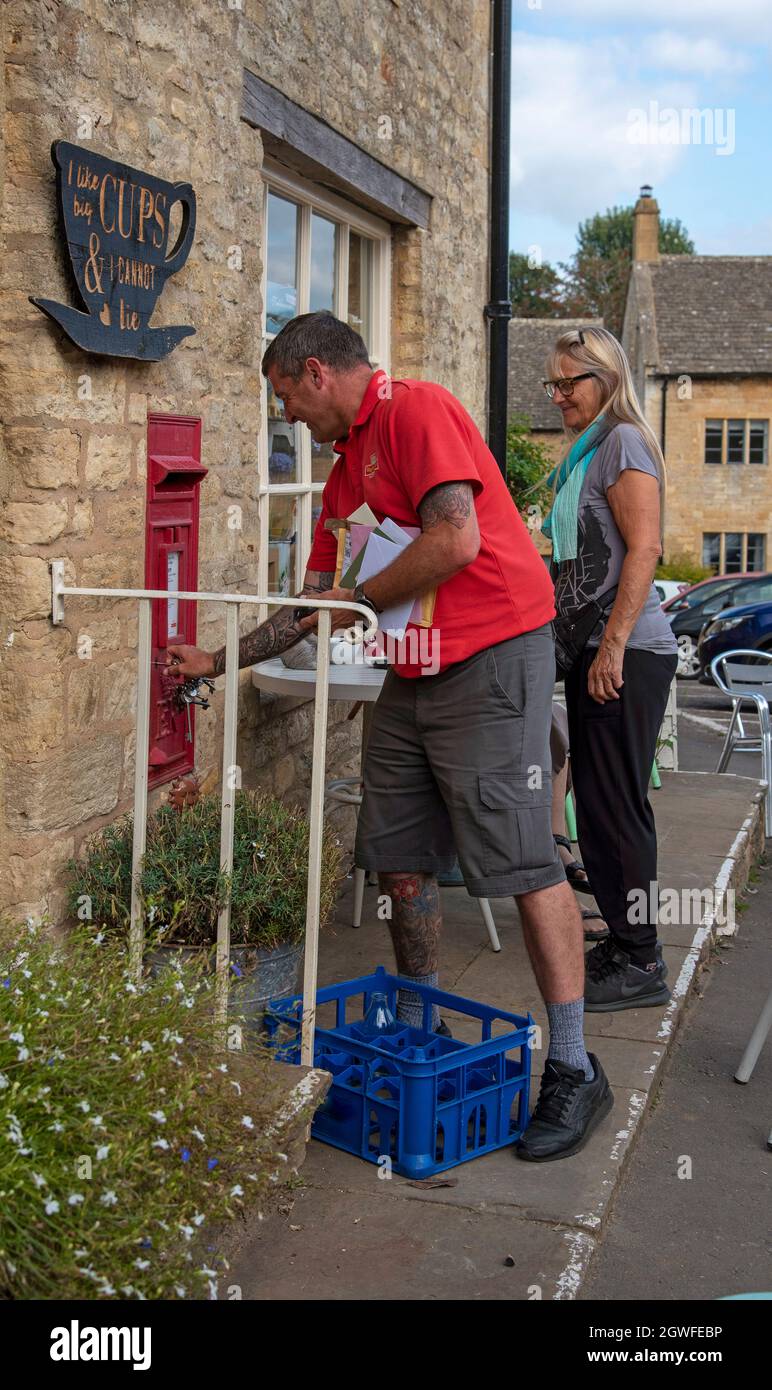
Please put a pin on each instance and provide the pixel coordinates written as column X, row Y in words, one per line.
column 612, row 749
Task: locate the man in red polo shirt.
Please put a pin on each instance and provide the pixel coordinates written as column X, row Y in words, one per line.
column 458, row 758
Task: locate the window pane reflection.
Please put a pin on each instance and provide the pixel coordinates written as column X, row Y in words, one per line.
column 733, row 552
column 360, row 262
column 281, row 266
column 282, row 451
column 323, row 241
column 282, row 536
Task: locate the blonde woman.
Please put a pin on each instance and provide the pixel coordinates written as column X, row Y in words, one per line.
column 605, row 529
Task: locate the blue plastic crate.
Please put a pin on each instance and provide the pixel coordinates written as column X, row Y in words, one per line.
column 426, row 1102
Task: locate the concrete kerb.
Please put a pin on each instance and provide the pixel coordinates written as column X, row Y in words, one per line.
column 747, row 848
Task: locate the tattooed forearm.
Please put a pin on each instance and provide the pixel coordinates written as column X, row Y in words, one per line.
column 415, row 921
column 279, row 632
column 451, row 502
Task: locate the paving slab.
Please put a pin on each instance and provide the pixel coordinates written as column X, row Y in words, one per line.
column 364, row 1237
column 376, row 1249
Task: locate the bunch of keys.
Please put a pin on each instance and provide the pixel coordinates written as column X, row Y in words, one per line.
column 189, row 693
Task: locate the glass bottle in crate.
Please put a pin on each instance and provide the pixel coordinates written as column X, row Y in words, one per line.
column 379, row 1018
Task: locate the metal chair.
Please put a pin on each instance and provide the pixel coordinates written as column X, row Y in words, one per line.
column 749, row 684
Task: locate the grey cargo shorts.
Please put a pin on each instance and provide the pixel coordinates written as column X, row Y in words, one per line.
column 459, row 764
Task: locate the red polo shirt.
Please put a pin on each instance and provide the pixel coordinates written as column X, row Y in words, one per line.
column 408, row 437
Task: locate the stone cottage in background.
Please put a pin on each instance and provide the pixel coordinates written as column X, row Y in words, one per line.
column 698, row 331
column 530, row 343
column 339, row 159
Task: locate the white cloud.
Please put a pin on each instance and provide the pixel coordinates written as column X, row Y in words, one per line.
column 707, row 57
column 571, row 114
column 717, row 19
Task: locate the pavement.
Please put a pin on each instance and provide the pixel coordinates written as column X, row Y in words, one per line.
column 693, row 1219
column 501, row 1228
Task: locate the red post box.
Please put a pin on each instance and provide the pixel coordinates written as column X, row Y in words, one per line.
column 174, row 475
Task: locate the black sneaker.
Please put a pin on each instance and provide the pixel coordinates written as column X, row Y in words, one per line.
column 567, row 1111
column 593, row 958
column 614, row 983
column 442, row 1030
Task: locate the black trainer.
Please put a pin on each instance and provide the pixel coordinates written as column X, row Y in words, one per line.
column 598, row 953
column 613, row 983
column 567, row 1111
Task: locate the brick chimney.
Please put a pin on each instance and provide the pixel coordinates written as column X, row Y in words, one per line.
column 646, row 227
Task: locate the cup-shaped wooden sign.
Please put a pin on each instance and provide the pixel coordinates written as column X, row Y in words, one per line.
column 117, row 227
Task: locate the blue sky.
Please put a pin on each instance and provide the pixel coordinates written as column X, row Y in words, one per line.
column 599, row 88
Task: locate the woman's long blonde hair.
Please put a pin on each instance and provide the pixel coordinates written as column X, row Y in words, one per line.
column 598, row 351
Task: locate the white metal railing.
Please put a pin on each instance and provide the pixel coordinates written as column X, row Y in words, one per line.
column 233, row 602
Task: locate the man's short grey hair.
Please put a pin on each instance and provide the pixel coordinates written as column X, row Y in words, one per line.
column 315, row 335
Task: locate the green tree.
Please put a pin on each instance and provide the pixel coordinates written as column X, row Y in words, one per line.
column 528, row 464
column 597, row 276
column 535, row 291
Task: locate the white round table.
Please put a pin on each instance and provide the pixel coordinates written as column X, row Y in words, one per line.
column 357, row 681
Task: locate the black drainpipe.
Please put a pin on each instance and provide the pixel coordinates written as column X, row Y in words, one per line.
column 499, row 310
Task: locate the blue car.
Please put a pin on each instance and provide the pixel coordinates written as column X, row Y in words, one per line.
column 748, row 626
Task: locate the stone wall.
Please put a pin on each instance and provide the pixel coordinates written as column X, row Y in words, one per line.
column 707, row 497
column 160, row 86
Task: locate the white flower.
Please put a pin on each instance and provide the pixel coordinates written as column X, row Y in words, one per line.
column 109, row 1199
column 128, row 1289
column 198, row 1134
column 23, row 1054
column 84, row 1106
column 16, row 1037
column 42, row 1013
column 113, row 1057
column 97, row 1122
column 51, row 1207
column 198, row 1219
column 57, row 1127
column 141, row 1264
column 102, row 1152
column 160, row 1144
column 130, row 988
column 237, row 1191
column 105, row 1286
column 75, row 1198
column 212, row 1273
column 97, row 941
column 159, row 1116
column 247, row 1122
column 145, row 1046
column 180, row 1290
column 222, row 1067
column 80, row 1254
column 39, row 1180
column 4, row 1082
column 187, row 1231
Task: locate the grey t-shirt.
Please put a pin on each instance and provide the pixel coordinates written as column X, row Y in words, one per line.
column 601, row 549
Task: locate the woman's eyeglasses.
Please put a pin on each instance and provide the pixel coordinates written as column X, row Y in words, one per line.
column 565, row 384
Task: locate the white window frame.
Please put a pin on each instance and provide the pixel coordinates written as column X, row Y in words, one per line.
column 310, row 198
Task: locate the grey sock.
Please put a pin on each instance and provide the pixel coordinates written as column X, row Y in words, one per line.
column 410, row 1006
column 567, row 1036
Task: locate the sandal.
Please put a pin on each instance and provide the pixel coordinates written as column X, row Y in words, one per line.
column 573, row 868
column 593, row 934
